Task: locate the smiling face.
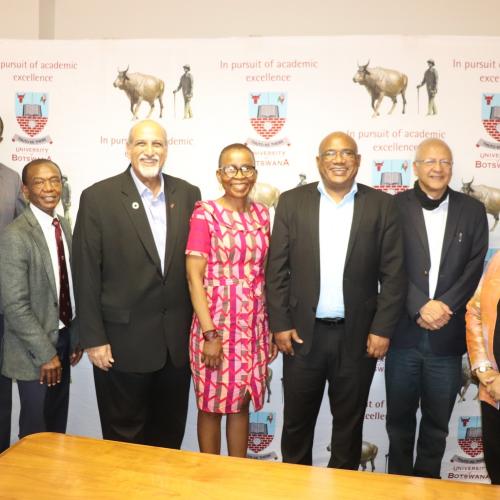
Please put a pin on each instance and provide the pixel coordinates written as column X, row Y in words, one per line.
column 239, row 186
column 147, row 149
column 433, row 167
column 43, row 186
column 338, row 163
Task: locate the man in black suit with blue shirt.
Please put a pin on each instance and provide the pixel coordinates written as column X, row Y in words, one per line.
column 335, row 287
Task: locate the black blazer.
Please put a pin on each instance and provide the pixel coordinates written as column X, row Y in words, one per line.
column 374, row 255
column 464, row 247
column 122, row 295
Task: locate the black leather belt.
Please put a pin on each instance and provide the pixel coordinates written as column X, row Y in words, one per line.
column 331, row 321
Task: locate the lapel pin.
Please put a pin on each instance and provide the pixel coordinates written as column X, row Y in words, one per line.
column 135, row 205
column 172, row 205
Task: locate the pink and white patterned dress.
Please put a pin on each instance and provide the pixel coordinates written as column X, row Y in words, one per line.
column 235, row 245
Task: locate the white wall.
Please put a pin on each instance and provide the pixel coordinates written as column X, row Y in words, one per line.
column 76, row 19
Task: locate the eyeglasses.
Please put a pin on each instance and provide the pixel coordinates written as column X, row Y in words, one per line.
column 232, row 170
column 432, row 162
column 346, row 154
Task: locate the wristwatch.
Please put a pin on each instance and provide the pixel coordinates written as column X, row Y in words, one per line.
column 483, row 368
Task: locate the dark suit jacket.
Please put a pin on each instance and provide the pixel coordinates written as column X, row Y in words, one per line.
column 122, row 295
column 29, row 297
column 11, row 198
column 374, row 254
column 465, row 245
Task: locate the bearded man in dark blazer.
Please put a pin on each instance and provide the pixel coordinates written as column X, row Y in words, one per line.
column 132, row 295
column 335, row 290
column 445, row 239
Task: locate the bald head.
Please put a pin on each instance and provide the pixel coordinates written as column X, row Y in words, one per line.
column 345, row 138
column 138, row 129
column 424, row 147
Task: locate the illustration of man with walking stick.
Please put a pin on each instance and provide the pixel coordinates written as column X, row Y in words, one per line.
column 430, row 80
column 186, row 84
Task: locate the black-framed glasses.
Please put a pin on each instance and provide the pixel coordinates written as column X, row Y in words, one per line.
column 232, row 170
column 432, row 162
column 345, row 154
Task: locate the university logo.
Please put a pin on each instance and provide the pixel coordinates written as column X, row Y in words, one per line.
column 470, row 435
column 261, row 434
column 32, row 111
column 391, row 176
column 490, row 114
column 267, row 112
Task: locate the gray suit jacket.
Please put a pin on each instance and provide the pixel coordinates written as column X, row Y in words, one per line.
column 29, row 298
column 11, row 197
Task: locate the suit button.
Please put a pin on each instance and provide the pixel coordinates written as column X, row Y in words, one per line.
column 426, row 272
column 55, row 304
column 164, row 310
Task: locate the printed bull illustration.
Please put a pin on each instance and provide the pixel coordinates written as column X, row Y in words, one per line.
column 380, row 83
column 368, row 454
column 489, row 196
column 140, row 87
column 467, row 379
column 266, row 194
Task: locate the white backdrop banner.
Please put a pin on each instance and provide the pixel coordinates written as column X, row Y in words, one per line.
column 281, row 96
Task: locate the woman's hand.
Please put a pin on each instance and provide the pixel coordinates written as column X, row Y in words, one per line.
column 493, row 387
column 212, row 353
column 486, row 377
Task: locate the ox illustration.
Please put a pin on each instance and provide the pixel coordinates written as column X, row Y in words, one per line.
column 489, row 196
column 379, row 83
column 140, row 87
column 467, row 379
column 368, row 454
column 266, row 194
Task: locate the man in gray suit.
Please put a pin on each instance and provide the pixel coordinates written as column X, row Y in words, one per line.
column 39, row 339
column 11, row 205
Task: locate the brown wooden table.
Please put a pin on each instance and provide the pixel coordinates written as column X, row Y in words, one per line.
column 48, row 466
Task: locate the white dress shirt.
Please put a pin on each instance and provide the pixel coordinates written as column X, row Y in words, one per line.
column 335, row 220
column 435, row 224
column 49, row 231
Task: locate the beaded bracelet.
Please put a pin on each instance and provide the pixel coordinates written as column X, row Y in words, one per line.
column 211, row 335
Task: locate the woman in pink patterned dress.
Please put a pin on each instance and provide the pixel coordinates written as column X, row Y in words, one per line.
column 230, row 345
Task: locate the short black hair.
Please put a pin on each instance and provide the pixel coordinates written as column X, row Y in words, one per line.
column 236, row 145
column 34, row 163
